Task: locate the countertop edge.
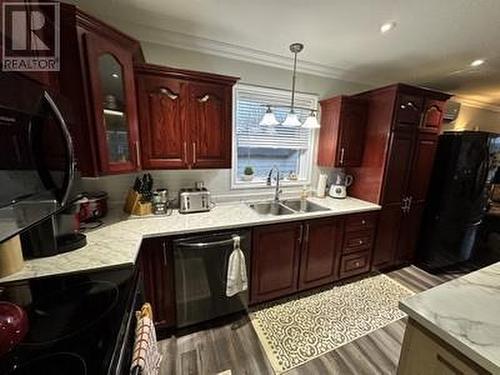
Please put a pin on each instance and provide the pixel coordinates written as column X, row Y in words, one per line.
column 460, row 346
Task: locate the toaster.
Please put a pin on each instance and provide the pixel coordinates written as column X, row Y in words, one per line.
column 194, row 200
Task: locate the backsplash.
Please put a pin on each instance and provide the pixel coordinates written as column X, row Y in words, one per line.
column 218, row 181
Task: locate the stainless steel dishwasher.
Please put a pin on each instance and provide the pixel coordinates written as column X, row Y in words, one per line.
column 201, row 265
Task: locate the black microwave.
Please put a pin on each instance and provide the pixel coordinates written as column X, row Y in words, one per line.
column 37, row 163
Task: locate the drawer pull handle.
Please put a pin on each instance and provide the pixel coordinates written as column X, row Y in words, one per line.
column 361, row 242
column 363, row 222
column 185, row 153
column 169, row 93
column 204, row 98
column 356, row 264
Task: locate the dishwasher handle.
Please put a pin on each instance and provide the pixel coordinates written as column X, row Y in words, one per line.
column 202, row 245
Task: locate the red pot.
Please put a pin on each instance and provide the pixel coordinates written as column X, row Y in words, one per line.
column 13, row 326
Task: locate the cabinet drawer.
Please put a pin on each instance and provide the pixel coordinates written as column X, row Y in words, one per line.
column 357, row 241
column 354, row 264
column 360, row 222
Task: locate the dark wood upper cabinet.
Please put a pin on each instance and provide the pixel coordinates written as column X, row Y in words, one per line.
column 341, row 139
column 157, row 267
column 275, row 261
column 210, row 122
column 96, row 77
column 402, row 130
column 408, row 111
column 185, row 118
column 111, row 79
column 161, row 113
column 321, row 247
column 425, row 146
column 432, row 115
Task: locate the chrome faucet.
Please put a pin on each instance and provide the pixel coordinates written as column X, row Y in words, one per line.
column 277, row 192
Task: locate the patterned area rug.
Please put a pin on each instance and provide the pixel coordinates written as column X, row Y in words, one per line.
column 299, row 330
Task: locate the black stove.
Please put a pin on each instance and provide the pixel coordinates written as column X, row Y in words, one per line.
column 78, row 323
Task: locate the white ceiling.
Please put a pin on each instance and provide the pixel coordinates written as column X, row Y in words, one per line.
column 433, row 43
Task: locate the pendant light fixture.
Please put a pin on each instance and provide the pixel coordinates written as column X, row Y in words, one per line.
column 269, row 119
column 311, row 121
column 292, row 119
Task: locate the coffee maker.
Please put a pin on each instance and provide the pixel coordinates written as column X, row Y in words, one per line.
column 57, row 234
column 341, row 181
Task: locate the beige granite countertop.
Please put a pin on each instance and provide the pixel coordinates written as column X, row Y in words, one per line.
column 117, row 243
column 465, row 313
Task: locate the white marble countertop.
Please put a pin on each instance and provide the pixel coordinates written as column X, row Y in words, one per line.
column 118, row 243
column 465, row 313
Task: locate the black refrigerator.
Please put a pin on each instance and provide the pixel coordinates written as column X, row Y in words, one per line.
column 457, row 200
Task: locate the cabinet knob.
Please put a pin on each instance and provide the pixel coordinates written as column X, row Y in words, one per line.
column 356, row 264
column 363, row 222
column 361, row 242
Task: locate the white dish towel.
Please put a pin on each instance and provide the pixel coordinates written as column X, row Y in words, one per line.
column 237, row 280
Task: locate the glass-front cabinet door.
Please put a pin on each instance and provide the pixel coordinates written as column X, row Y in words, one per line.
column 111, row 81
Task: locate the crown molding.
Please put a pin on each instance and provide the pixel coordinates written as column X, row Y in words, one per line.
column 176, row 39
column 476, row 104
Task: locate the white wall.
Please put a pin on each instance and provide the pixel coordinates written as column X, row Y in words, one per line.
column 475, row 118
column 218, row 181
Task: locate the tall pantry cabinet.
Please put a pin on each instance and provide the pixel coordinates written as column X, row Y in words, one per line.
column 402, row 129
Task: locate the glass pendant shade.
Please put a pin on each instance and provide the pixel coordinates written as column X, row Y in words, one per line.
column 269, row 119
column 291, row 120
column 311, row 122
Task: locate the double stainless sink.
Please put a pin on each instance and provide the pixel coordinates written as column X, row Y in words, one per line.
column 286, row 207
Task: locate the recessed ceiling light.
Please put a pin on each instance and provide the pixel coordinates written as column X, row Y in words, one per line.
column 477, row 62
column 115, row 75
column 386, row 27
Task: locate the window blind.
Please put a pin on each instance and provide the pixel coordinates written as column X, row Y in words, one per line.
column 249, row 112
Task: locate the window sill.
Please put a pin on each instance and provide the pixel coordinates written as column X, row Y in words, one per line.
column 262, row 185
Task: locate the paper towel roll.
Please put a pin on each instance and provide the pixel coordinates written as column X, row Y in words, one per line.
column 11, row 257
column 321, row 189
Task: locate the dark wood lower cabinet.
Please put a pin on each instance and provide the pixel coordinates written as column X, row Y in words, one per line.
column 287, row 258
column 275, row 261
column 354, row 264
column 321, row 245
column 386, row 240
column 397, row 235
column 408, row 235
column 157, row 266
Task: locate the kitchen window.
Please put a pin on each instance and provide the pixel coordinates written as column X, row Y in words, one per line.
column 262, row 147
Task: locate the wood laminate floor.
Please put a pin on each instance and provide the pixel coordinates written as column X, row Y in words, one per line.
column 235, row 346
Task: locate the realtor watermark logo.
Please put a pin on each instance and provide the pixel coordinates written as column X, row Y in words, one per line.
column 30, row 37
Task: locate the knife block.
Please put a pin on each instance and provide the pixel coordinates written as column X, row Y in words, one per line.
column 142, row 208
column 134, row 206
column 133, row 198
